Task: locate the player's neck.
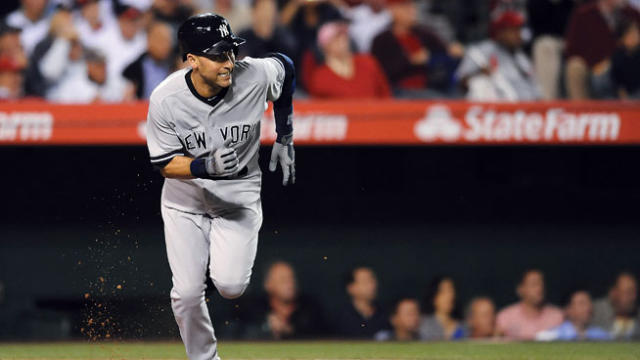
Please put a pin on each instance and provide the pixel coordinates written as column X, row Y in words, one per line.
column 203, row 88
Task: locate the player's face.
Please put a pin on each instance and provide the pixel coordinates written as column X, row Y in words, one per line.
column 216, row 69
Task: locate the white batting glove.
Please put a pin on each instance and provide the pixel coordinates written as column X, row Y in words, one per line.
column 283, row 153
column 223, row 161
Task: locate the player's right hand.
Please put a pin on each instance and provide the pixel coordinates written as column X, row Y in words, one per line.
column 223, row 161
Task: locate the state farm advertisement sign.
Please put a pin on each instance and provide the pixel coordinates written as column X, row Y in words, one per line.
column 488, row 124
column 326, row 123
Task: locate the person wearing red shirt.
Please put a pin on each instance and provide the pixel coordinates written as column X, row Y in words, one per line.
column 343, row 73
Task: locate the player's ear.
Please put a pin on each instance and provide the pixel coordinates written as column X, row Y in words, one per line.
column 192, row 61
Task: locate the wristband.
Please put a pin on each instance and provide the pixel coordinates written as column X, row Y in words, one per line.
column 199, row 168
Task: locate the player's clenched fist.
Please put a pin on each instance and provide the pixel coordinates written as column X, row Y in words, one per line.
column 284, row 154
column 223, row 161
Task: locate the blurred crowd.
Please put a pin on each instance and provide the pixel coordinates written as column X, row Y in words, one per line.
column 284, row 313
column 80, row 51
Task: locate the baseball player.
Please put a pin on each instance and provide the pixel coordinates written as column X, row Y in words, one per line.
column 203, row 133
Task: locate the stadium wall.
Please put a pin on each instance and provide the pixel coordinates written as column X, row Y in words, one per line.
column 77, row 221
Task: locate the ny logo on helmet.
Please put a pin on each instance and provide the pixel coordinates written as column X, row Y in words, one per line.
column 224, row 30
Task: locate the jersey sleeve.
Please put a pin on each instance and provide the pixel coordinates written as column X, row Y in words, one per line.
column 275, row 74
column 162, row 141
column 473, row 62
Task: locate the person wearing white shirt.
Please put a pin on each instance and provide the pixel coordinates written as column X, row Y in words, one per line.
column 122, row 44
column 33, row 19
column 93, row 18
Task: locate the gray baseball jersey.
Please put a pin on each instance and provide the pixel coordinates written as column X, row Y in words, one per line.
column 181, row 122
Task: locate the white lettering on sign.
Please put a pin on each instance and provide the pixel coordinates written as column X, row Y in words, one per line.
column 26, row 126
column 481, row 124
column 311, row 127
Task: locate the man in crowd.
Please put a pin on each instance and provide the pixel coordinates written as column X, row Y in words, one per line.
column 523, row 320
column 618, row 312
column 33, row 19
column 10, row 45
column 286, row 314
column 577, row 326
column 362, row 317
column 480, row 318
column 266, row 35
column 93, row 18
column 590, row 42
column 548, row 21
column 11, row 78
column 62, row 70
column 124, row 43
column 155, row 64
column 625, row 72
column 406, row 49
column 367, row 20
column 497, row 68
column 405, row 321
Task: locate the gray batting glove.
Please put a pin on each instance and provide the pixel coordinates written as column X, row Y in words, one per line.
column 223, row 161
column 283, row 153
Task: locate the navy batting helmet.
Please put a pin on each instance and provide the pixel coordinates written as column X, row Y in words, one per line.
column 207, row 34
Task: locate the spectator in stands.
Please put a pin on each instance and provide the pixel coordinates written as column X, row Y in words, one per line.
column 286, row 314
column 33, row 19
column 10, row 45
column 406, row 50
column 480, row 319
column 618, row 312
column 56, row 57
column 344, row 74
column 578, row 311
column 405, row 321
column 266, row 35
column 361, row 317
column 439, row 323
column 303, row 19
column 497, row 69
column 625, row 63
column 172, row 12
column 61, row 70
column 238, row 13
column 124, row 43
column 590, row 43
column 93, row 19
column 548, row 20
column 432, row 13
column 367, row 20
column 523, row 320
column 155, row 64
column 11, row 78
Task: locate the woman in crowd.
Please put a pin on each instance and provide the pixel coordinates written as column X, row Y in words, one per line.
column 439, row 323
column 343, row 73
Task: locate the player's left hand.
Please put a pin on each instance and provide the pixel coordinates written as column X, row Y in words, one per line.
column 283, row 153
